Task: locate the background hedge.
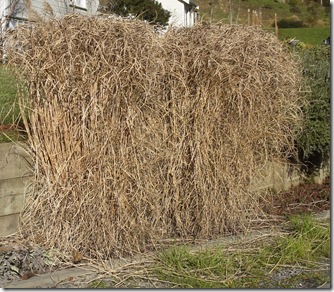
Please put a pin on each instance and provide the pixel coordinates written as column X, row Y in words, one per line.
column 314, row 141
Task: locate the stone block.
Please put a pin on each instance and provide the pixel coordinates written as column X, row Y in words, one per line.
column 12, row 194
column 14, row 161
column 9, row 224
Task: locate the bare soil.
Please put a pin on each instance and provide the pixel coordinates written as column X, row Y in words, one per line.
column 307, row 198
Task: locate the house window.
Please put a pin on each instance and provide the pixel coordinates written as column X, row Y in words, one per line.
column 79, row 4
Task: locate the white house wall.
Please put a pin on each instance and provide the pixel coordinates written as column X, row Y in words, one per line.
column 176, row 8
column 20, row 11
column 3, row 5
column 59, row 7
column 182, row 12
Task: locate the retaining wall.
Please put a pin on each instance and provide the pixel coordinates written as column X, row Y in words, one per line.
column 16, row 175
column 276, row 176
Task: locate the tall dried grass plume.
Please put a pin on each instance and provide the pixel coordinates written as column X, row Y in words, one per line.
column 138, row 137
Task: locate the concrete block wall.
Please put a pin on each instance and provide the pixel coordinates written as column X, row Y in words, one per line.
column 15, row 178
column 322, row 173
column 276, row 176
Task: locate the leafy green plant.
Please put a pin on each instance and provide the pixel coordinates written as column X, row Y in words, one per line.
column 314, row 141
column 149, row 10
column 290, row 23
column 313, row 10
column 295, row 9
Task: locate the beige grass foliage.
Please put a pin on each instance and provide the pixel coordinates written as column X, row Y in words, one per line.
column 138, row 137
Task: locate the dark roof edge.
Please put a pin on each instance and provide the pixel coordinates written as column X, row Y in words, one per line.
column 189, row 2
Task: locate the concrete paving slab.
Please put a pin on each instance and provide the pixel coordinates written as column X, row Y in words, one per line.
column 325, row 286
column 51, row 280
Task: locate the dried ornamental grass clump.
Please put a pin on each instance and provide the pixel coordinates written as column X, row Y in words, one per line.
column 137, row 138
column 234, row 93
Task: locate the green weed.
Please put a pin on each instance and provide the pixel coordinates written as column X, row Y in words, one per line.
column 194, row 270
column 311, row 238
column 98, row 284
column 307, row 242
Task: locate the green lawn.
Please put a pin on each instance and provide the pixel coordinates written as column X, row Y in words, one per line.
column 313, row 36
column 7, row 96
column 9, row 110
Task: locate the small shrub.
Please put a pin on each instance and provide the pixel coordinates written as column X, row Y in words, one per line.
column 293, row 2
column 326, row 3
column 267, row 6
column 290, row 23
column 313, row 10
column 314, row 141
column 295, row 9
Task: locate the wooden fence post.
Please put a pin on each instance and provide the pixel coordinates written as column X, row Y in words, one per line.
column 255, row 19
column 276, row 26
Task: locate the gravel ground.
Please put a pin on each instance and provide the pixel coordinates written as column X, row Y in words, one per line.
column 22, row 262
column 298, row 278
